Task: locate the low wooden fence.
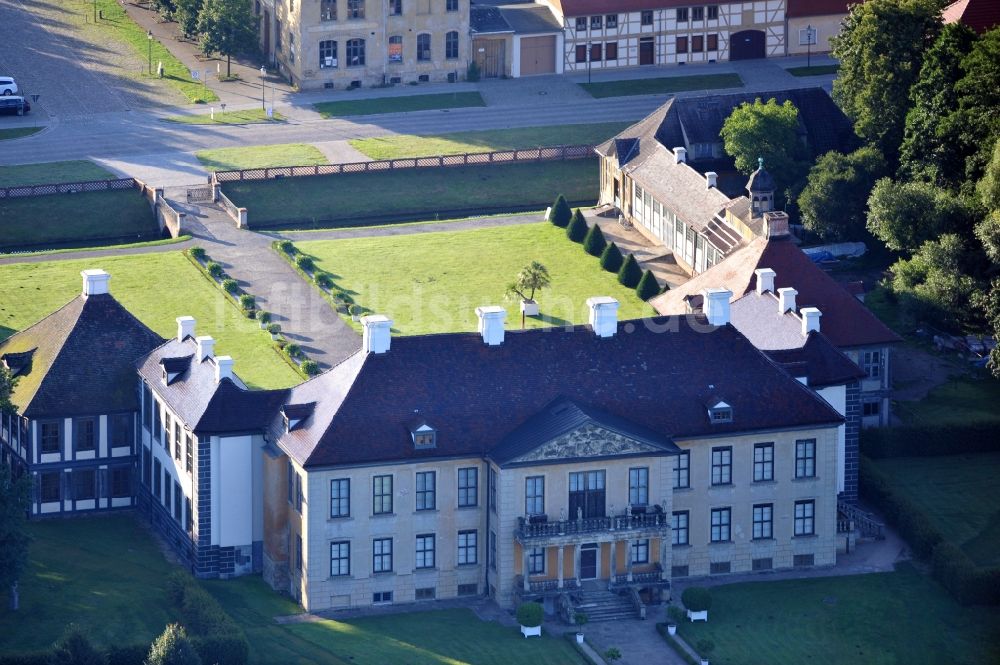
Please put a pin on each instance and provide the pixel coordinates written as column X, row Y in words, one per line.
column 116, row 184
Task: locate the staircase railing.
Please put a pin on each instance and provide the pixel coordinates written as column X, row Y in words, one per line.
column 864, row 522
column 640, row 608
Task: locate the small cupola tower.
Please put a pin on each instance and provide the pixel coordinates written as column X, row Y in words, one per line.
column 761, row 188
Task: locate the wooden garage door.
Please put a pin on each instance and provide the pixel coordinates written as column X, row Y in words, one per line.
column 538, row 55
column 746, row 45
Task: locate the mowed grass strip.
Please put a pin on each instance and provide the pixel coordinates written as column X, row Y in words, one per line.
column 959, row 494
column 402, row 104
column 261, row 156
column 815, row 70
column 79, row 170
column 62, row 219
column 360, row 199
column 899, row 617
column 245, row 117
column 432, row 282
column 969, row 399
column 18, row 132
column 105, row 574
column 157, row 288
column 398, row 146
column 659, row 86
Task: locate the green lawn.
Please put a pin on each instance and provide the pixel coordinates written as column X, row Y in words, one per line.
column 359, row 199
column 399, row 146
column 658, row 86
column 432, row 282
column 105, row 574
column 80, row 170
column 972, row 398
column 401, row 104
column 76, row 219
column 879, row 619
column 261, row 156
column 961, row 496
column 245, row 117
column 157, row 288
column 18, row 132
column 815, row 70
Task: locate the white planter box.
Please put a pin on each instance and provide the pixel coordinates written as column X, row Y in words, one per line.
column 529, row 308
column 579, row 638
column 672, row 629
column 698, row 616
column 528, row 632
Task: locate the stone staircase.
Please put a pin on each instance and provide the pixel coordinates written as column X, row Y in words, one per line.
column 603, row 605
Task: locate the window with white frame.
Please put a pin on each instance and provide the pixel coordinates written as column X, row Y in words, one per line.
column 871, row 364
column 596, row 22
column 807, row 36
column 340, row 558
column 425, row 551
column 611, row 21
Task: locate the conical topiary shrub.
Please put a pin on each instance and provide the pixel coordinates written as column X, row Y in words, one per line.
column 577, row 228
column 630, row 273
column 611, row 258
column 648, row 286
column 560, row 213
column 594, row 242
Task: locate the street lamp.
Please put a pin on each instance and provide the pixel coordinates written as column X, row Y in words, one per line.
column 262, row 72
column 809, row 45
column 149, row 40
column 588, row 61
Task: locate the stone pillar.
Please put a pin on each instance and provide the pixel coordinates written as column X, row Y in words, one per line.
column 576, row 563
column 628, row 560
column 559, row 568
column 524, row 566
column 664, row 573
column 613, row 568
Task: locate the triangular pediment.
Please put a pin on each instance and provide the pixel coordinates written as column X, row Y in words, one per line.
column 587, row 441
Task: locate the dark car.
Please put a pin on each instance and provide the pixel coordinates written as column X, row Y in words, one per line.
column 14, row 104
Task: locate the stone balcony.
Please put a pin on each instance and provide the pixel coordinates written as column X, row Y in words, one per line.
column 538, row 529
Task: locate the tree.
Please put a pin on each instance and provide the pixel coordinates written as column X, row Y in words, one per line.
column 648, row 286
column 769, row 131
column 7, row 383
column 988, row 189
column 594, row 242
column 930, row 143
column 936, row 285
column 630, row 272
column 533, row 277
column 560, row 213
column 611, row 258
column 834, row 203
column 186, row 13
column 989, row 304
column 979, row 99
column 172, row 647
column 906, row 215
column 880, row 47
column 227, row 27
column 75, row 649
column 576, row 230
column 15, row 502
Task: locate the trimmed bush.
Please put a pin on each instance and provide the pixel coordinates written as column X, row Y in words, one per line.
column 274, row 328
column 356, row 310
column 198, row 253
column 530, row 615
column 74, row 648
column 594, row 242
column 560, row 213
column 576, row 230
column 222, row 649
column 930, row 440
column 323, row 280
column 648, row 286
column 247, row 301
column 310, row 367
column 287, row 247
column 36, row 658
column 343, row 297
column 214, row 269
column 264, row 317
column 230, row 285
column 630, row 273
column 305, row 263
column 611, row 258
column 173, row 648
column 293, row 350
column 697, row 599
column 967, row 583
column 907, row 517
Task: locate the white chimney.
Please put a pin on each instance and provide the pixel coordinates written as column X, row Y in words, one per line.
column 491, row 320
column 810, row 320
column 375, row 335
column 185, row 327
column 711, row 179
column 603, row 315
column 716, row 305
column 206, row 347
column 223, row 368
column 680, row 155
column 765, row 280
column 786, row 299
column 95, row 282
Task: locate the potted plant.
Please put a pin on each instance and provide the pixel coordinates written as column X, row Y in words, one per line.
column 530, row 616
column 612, row 654
column 533, row 277
column 264, row 318
column 698, row 601
column 275, row 330
column 671, row 628
column 579, row 619
column 356, row 311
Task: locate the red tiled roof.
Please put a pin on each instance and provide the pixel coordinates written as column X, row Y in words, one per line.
column 980, row 15
column 803, row 8
column 573, row 8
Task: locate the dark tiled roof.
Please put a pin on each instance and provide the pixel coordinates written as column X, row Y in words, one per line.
column 655, row 373
column 564, row 415
column 530, row 19
column 802, row 8
column 586, row 7
column 824, row 363
column 624, row 149
column 761, row 181
column 487, row 20
column 236, row 409
column 83, row 359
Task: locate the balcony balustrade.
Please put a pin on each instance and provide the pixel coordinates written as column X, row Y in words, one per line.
column 538, row 526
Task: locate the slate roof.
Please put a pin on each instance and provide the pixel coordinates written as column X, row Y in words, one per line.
column 980, row 15
column 586, row 7
column 846, row 321
column 487, row 20
column 82, row 359
column 564, row 415
column 655, row 373
column 530, row 19
column 207, row 406
column 824, row 364
column 761, row 181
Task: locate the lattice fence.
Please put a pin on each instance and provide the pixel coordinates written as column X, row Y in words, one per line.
column 69, row 188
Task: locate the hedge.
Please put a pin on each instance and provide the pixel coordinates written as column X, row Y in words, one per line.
column 929, row 441
column 216, row 636
column 560, row 212
column 577, row 228
column 611, row 258
column 133, row 654
column 964, row 580
column 594, row 242
column 661, row 628
column 36, row 658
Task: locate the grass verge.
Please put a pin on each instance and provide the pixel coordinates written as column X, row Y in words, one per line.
column 132, row 245
column 815, row 70
column 79, row 170
column 359, row 199
column 402, row 104
column 969, row 399
column 399, row 146
column 658, row 86
column 18, row 132
column 245, row 117
column 261, row 156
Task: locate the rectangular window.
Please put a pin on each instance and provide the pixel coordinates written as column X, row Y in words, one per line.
column 805, row 512
column 147, row 464
column 638, row 486
column 50, row 486
column 536, row 561
column 328, row 10
column 763, row 521
column 188, row 517
column 298, row 552
column 640, row 551
column 805, row 458
column 581, row 23
column 83, row 484
column 340, row 558
column 121, row 430
column 178, row 442
column 189, row 444
column 425, row 593
column 871, row 363
column 156, row 479
column 395, row 7
column 167, row 433
column 468, row 487
column 646, row 18
column 713, row 12
column 762, row 564
column 722, row 466
column 763, row 462
column 382, row 495
column 51, row 437
column 396, row 48
column 611, row 51
column 869, row 409
column 800, row 560
column 468, row 547
column 381, row 597
column 424, row 55
column 720, row 567
column 721, row 518
column 679, row 571
column 581, row 53
column 356, row 52
column 178, row 501
column 493, row 550
column 697, row 13
column 121, row 482
column 290, row 472
column 611, row 21
column 596, row 22
column 682, row 44
column 355, row 9
column 157, row 424
column 682, row 470
column 493, row 489
column 451, row 5
column 86, row 434
column 682, row 14
column 468, row 589
column 147, row 405
column 807, row 37
column 425, row 551
column 328, row 54
column 697, row 45
column 586, row 494
column 340, row 497
column 167, row 489
column 298, row 492
column 426, row 491
column 679, row 527
column 382, row 555
column 534, row 495
column 451, row 45
column 595, row 52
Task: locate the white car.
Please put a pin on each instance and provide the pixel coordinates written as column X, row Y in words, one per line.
column 8, row 86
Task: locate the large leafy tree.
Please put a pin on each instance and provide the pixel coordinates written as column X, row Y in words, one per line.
column 186, row 13
column 766, row 130
column 227, row 27
column 14, row 504
column 881, row 48
column 905, row 215
column 937, row 285
column 988, row 230
column 979, row 99
column 834, row 203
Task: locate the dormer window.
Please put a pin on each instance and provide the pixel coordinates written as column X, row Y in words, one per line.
column 719, row 412
column 173, row 368
column 423, row 435
column 292, row 415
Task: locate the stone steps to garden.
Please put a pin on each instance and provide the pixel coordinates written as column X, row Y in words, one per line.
column 603, row 606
